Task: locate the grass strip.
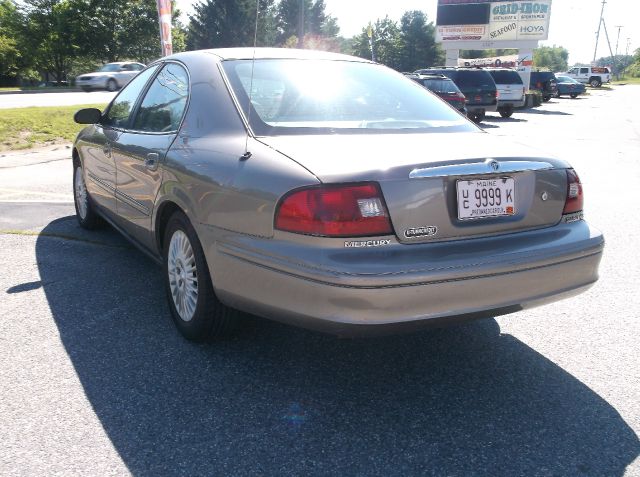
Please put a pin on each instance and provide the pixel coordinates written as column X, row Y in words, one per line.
column 23, row 128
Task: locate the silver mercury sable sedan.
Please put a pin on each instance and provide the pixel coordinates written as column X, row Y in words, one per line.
column 328, row 192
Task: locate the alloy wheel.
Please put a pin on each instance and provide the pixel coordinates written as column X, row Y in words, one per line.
column 183, row 275
column 80, row 194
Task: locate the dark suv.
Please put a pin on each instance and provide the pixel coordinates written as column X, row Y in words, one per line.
column 443, row 87
column 476, row 84
column 545, row 82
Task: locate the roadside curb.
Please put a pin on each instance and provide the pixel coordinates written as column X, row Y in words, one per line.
column 35, row 91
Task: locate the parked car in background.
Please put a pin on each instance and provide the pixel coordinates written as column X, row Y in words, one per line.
column 476, row 84
column 591, row 75
column 569, row 86
column 326, row 191
column 111, row 76
column 443, row 87
column 510, row 90
column 545, row 82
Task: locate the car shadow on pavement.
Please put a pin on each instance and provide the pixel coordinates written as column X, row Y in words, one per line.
column 499, row 119
column 277, row 400
column 545, row 112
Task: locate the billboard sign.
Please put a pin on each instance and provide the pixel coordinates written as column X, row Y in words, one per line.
column 478, row 20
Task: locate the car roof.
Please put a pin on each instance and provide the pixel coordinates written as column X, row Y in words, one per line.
column 278, row 53
column 438, row 76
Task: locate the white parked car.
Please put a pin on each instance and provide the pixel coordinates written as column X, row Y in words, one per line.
column 592, row 75
column 111, row 76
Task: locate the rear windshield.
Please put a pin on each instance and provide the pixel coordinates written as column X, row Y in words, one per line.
column 293, row 96
column 505, row 77
column 440, row 85
column 474, row 79
column 543, row 75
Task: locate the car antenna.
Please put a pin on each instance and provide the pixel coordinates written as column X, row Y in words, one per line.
column 247, row 153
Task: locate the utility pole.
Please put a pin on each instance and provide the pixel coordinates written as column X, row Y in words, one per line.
column 595, row 50
column 615, row 58
column 301, row 25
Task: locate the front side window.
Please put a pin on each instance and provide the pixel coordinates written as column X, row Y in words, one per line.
column 292, row 96
column 118, row 114
column 584, row 70
column 162, row 107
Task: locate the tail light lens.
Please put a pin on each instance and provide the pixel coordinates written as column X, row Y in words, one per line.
column 355, row 210
column 575, row 199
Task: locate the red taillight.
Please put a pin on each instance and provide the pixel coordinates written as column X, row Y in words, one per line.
column 335, row 211
column 575, row 198
column 497, row 94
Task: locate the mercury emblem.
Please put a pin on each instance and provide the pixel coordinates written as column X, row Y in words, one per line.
column 544, row 195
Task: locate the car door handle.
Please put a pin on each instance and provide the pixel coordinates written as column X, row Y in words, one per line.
column 151, row 162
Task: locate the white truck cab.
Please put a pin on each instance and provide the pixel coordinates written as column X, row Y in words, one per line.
column 592, row 75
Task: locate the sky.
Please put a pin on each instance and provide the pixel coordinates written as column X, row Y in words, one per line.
column 573, row 22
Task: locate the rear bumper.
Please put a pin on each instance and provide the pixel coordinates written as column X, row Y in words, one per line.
column 508, row 103
column 347, row 291
column 479, row 108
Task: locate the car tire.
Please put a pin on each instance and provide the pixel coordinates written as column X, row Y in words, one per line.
column 595, row 82
column 506, row 112
column 546, row 97
column 477, row 117
column 573, row 95
column 85, row 213
column 112, row 85
column 195, row 309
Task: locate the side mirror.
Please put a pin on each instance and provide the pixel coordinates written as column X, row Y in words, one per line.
column 87, row 116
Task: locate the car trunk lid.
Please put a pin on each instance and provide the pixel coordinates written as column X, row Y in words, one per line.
column 425, row 177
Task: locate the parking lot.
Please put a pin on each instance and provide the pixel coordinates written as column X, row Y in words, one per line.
column 97, row 381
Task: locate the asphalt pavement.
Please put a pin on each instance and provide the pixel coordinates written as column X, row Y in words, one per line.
column 95, row 379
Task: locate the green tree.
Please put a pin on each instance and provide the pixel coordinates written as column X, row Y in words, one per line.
column 316, row 21
column 387, row 43
column 418, row 47
column 114, row 30
column 553, row 58
column 230, row 23
column 50, row 35
column 10, row 26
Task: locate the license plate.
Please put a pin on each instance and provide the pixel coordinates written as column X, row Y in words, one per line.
column 482, row 198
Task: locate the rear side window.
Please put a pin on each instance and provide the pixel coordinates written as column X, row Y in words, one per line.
column 162, row 107
column 477, row 78
column 440, row 85
column 506, row 77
